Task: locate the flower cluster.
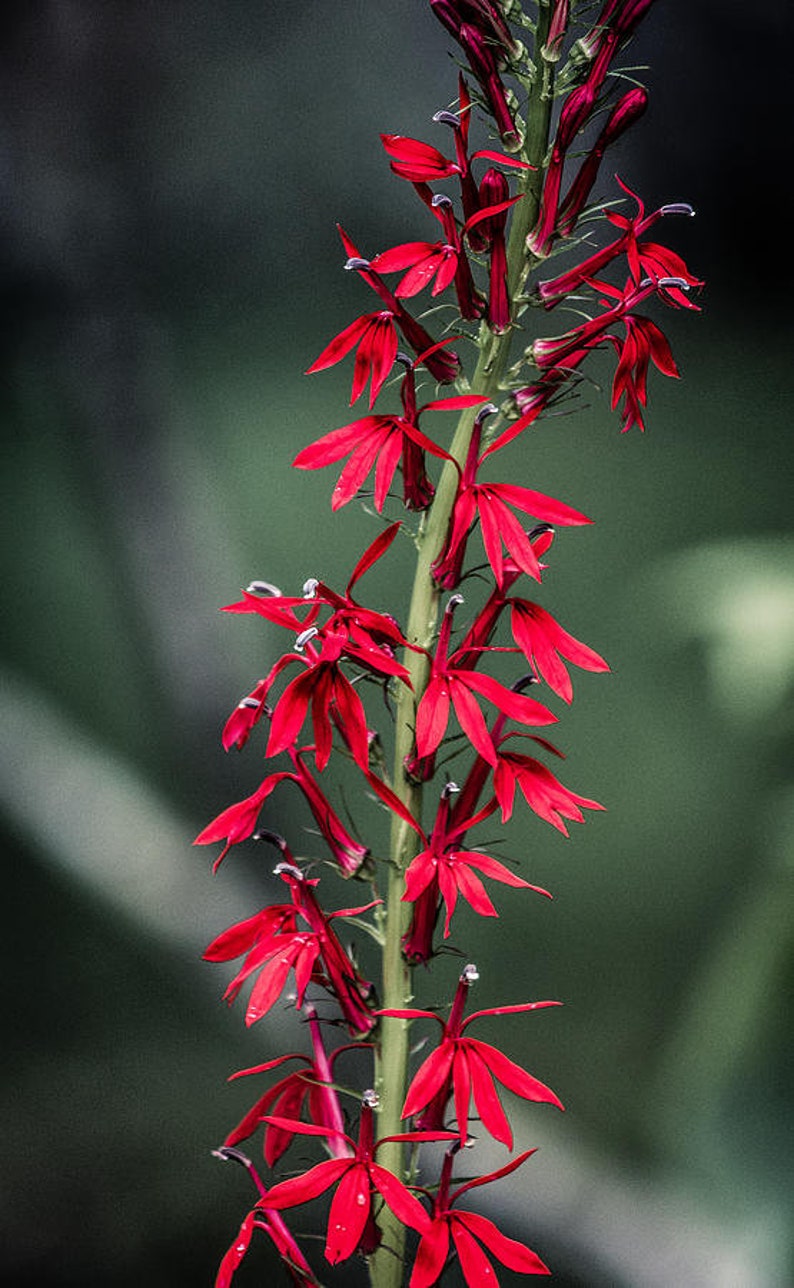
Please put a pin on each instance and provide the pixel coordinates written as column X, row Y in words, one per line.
column 495, row 216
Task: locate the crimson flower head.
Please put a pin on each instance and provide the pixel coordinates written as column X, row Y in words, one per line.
column 358, row 1178
column 463, row 1067
column 443, row 869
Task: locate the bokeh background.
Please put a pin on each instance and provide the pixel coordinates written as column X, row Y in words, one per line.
column 171, row 176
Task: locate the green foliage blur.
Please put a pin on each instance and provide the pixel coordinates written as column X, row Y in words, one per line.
column 171, row 180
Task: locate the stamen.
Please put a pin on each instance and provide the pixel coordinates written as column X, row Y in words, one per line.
column 303, row 639
column 356, row 262
column 677, row 208
column 262, row 588
column 470, row 974
column 446, row 118
column 310, row 588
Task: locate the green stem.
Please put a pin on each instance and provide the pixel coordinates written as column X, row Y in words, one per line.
column 386, row 1266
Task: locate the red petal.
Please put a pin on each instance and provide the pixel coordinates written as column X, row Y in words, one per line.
column 347, row 1218
column 432, row 717
column 300, row 1189
column 489, row 1106
column 512, row 1076
column 399, row 1198
column 236, row 1252
column 431, row 1255
column 428, row 1079
column 543, row 507
column 341, row 344
column 511, row 1253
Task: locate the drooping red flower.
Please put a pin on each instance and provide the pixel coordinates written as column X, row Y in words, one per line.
column 274, row 944
column 296, row 1265
column 644, row 258
column 480, row 29
column 351, row 1221
column 462, row 1067
column 545, row 795
column 467, row 1231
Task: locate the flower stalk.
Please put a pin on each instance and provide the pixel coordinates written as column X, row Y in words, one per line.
column 507, row 224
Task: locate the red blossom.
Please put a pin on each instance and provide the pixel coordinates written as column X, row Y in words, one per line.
column 454, row 686
column 462, row 1067
column 311, row 1086
column 491, row 503
column 351, row 1223
column 467, row 1231
column 274, row 945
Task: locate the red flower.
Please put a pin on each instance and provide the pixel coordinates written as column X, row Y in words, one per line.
column 376, row 338
column 239, row 821
column 643, row 343
column 544, row 643
column 292, row 1258
column 543, row 792
column 453, row 685
column 463, row 1067
column 467, row 1230
column 351, row 1223
column 491, row 502
column 441, row 868
column 274, row 945
column 379, row 441
column 325, row 688
column 645, row 258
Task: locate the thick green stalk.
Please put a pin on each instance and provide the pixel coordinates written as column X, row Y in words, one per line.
column 386, row 1266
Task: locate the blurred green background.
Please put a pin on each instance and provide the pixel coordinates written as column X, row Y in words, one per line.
column 171, row 176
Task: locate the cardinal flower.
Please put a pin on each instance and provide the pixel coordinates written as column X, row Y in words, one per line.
column 444, row 869
column 462, row 1067
column 545, row 795
column 274, row 944
column 491, row 503
column 379, row 441
column 644, row 258
column 469, row 1234
column 455, row 686
column 298, row 1268
column 351, row 1222
column 375, row 334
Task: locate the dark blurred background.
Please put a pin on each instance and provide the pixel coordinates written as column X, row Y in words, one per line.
column 171, row 176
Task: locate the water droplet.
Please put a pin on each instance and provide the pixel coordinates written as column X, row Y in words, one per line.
column 360, row 1200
